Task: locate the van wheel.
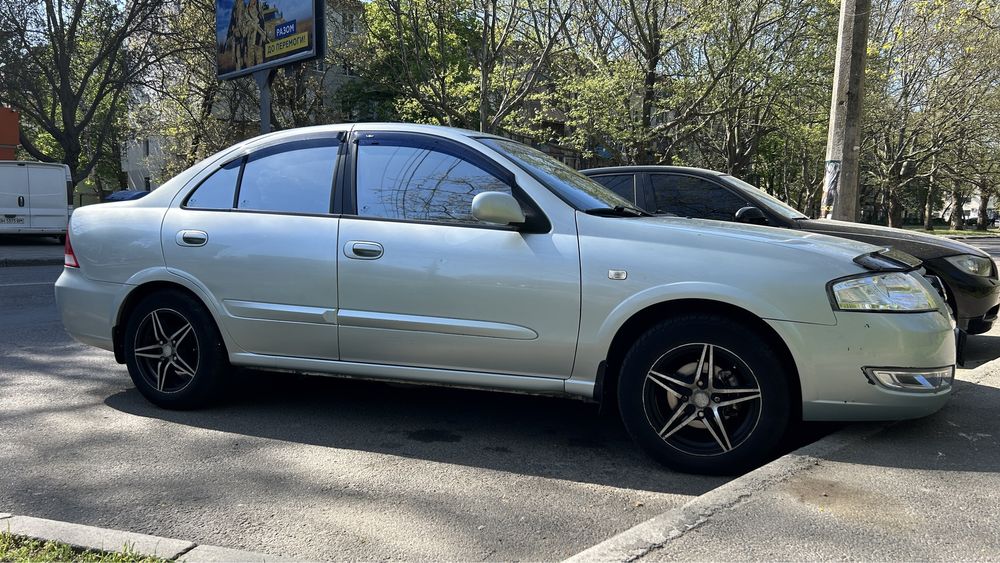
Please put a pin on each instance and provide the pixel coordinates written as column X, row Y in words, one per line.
column 704, row 394
column 173, row 351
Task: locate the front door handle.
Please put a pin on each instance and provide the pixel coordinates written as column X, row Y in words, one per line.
column 20, row 201
column 363, row 250
column 192, row 238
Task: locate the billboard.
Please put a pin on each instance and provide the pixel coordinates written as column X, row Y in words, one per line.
column 252, row 35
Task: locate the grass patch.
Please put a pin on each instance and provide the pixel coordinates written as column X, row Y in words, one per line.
column 949, row 232
column 18, row 549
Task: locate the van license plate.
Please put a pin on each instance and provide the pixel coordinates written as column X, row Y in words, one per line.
column 11, row 220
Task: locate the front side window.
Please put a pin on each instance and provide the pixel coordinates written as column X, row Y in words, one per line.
column 218, row 190
column 689, row 196
column 417, row 183
column 292, row 178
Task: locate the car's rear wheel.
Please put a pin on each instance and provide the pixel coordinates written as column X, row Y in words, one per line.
column 173, row 351
column 705, row 394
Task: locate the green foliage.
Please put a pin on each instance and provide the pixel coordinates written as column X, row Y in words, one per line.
column 17, row 549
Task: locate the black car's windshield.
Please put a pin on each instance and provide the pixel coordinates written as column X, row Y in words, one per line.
column 771, row 202
column 576, row 189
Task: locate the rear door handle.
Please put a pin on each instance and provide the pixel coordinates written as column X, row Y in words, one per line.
column 363, row 250
column 20, row 201
column 192, row 238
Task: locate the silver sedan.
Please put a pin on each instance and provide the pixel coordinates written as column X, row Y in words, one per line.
column 425, row 254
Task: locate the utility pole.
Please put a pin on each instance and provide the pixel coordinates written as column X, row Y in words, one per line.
column 840, row 185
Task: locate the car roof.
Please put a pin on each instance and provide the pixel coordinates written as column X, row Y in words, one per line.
column 277, row 136
column 651, row 168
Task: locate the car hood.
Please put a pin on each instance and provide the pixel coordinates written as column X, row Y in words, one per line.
column 830, row 246
column 923, row 246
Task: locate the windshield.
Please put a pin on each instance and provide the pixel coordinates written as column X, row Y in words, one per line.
column 771, row 202
column 576, row 189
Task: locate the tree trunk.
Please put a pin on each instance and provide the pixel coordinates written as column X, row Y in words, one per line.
column 929, row 204
column 896, row 209
column 984, row 206
column 957, row 213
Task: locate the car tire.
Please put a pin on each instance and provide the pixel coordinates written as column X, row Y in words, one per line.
column 174, row 352
column 725, row 424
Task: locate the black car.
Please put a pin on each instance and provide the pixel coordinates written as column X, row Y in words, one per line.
column 968, row 274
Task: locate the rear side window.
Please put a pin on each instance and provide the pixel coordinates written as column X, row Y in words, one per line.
column 419, row 184
column 688, row 196
column 292, row 178
column 218, row 190
column 621, row 184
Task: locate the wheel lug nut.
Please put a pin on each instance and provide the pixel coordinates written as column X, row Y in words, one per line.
column 716, row 399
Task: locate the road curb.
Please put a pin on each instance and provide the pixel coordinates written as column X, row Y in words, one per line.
column 12, row 262
column 106, row 539
column 654, row 533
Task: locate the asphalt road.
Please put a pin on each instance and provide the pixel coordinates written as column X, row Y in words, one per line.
column 313, row 468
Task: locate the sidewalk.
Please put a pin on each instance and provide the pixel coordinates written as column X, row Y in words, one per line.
column 29, row 251
column 918, row 490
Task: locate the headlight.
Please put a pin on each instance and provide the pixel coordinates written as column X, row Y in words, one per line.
column 888, row 292
column 975, row 265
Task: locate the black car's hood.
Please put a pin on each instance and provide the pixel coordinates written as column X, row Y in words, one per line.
column 923, row 246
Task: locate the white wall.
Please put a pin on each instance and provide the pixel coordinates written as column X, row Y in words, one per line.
column 142, row 159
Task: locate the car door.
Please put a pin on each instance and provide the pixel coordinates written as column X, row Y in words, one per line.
column 259, row 235
column 692, row 196
column 14, row 197
column 48, row 197
column 423, row 283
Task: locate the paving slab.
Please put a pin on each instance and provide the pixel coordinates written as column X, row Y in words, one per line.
column 917, row 490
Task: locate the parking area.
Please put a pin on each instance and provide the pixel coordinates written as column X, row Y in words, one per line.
column 314, row 468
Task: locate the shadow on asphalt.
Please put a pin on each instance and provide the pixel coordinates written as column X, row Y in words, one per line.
column 963, row 436
column 980, row 349
column 544, row 436
column 548, row 437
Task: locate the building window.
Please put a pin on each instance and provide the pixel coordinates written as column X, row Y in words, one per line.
column 349, row 23
column 146, row 179
column 145, row 148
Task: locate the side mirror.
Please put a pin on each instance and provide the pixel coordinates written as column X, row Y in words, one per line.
column 497, row 207
column 752, row 215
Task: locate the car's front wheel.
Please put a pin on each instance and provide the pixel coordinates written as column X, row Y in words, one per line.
column 705, row 394
column 173, row 351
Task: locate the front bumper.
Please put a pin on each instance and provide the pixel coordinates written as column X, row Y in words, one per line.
column 976, row 298
column 831, row 362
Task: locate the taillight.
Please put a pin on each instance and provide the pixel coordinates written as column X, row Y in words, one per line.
column 69, row 257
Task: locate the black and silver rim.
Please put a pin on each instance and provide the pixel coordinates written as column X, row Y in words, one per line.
column 702, row 399
column 166, row 350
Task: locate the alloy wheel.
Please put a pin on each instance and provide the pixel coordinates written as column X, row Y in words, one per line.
column 702, row 399
column 166, row 350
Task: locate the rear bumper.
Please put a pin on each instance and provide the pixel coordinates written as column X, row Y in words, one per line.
column 87, row 307
column 830, row 361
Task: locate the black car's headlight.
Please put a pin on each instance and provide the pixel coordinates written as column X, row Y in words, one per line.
column 971, row 264
column 886, row 292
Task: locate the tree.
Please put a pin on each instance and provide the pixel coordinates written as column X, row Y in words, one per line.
column 69, row 70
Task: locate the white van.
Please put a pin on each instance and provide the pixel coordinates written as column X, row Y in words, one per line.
column 34, row 198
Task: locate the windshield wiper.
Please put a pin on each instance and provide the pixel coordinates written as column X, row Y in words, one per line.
column 617, row 211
